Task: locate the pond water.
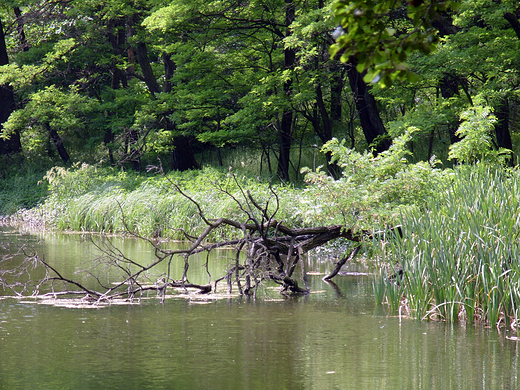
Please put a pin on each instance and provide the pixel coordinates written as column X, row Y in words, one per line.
column 335, row 338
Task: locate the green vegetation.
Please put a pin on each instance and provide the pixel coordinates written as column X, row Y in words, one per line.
column 111, row 201
column 459, row 253
column 121, row 84
column 417, row 121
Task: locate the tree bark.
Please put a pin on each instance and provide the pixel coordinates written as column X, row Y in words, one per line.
column 371, row 123
column 7, row 104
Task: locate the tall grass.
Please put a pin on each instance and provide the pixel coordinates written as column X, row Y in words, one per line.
column 20, row 190
column 105, row 200
column 459, row 253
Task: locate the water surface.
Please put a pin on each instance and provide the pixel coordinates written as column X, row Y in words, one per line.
column 335, row 338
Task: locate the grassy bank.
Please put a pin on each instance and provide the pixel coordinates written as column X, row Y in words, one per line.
column 108, row 200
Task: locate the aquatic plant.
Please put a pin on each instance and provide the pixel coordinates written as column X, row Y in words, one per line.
column 459, row 257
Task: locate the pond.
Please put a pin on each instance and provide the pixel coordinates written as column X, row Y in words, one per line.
column 334, row 338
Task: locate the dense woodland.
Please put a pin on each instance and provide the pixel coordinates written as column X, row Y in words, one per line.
column 124, row 82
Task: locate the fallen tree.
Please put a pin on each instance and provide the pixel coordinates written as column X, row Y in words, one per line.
column 265, row 250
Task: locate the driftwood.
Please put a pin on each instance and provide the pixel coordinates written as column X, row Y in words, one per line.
column 265, row 249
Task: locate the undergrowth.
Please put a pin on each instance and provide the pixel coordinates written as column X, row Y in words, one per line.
column 110, row 201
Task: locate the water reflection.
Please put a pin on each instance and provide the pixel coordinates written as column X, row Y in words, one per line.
column 332, row 339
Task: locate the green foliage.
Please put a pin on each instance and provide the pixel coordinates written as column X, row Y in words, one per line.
column 373, row 189
column 477, row 143
column 87, row 198
column 65, row 112
column 379, row 47
column 221, row 69
column 45, row 60
column 458, row 251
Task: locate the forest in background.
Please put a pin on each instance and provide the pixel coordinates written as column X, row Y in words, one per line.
column 122, row 83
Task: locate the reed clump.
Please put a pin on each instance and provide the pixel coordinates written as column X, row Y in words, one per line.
column 459, row 257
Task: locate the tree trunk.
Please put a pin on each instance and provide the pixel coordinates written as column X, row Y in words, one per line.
column 285, row 131
column 502, row 110
column 118, row 41
column 56, row 139
column 20, row 29
column 183, row 157
column 326, row 135
column 371, row 123
column 514, row 22
column 449, row 87
column 336, row 89
column 146, row 68
column 7, row 105
column 169, row 69
column 502, row 127
column 119, row 78
column 130, row 50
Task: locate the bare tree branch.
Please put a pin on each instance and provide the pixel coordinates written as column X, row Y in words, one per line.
column 264, row 250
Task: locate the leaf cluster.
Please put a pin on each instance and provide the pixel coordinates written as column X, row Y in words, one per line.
column 476, row 144
column 367, row 34
column 373, row 189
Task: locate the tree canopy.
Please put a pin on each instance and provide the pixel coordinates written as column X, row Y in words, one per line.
column 125, row 82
